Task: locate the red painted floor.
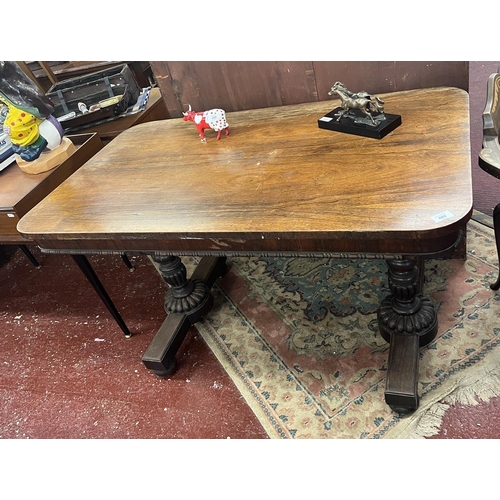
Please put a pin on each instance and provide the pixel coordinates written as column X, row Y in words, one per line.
column 67, row 371
column 471, row 422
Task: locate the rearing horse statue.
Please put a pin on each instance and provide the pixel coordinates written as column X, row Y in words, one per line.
column 363, row 101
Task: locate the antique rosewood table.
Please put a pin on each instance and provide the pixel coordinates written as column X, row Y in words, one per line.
column 280, row 185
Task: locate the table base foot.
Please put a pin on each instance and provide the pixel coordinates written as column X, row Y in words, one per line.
column 402, row 374
column 160, row 355
column 408, row 321
column 402, row 369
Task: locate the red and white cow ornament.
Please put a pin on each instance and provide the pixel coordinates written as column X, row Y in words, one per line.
column 213, row 118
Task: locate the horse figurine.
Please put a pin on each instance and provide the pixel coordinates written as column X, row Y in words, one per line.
column 363, row 101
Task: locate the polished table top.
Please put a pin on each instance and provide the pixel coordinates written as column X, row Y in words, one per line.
column 277, row 183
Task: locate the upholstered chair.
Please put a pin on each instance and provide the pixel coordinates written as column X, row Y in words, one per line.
column 489, row 157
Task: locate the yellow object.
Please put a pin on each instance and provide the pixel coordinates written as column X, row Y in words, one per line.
column 111, row 101
column 22, row 127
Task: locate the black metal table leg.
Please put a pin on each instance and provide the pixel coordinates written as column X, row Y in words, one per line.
column 127, row 262
column 30, row 256
column 90, row 274
column 496, row 227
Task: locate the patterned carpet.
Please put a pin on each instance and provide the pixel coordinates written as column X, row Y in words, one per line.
column 299, row 339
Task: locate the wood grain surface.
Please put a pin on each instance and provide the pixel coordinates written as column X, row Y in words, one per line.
column 276, row 183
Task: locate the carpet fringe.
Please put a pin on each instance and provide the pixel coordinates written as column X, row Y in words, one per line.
column 480, row 386
column 430, row 422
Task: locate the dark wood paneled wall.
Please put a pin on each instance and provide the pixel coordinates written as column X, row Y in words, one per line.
column 235, row 86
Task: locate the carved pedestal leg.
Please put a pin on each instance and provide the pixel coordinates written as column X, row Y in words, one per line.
column 496, row 226
column 408, row 321
column 185, row 296
column 186, row 302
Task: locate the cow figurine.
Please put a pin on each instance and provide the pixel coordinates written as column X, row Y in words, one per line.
column 213, row 118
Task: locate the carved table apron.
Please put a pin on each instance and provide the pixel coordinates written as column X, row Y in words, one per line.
column 278, row 185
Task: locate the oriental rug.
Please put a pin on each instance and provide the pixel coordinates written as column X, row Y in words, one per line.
column 299, row 338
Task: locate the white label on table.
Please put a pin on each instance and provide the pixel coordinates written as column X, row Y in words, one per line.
column 10, row 215
column 326, row 119
column 442, row 216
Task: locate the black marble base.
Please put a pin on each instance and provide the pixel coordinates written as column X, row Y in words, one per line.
column 357, row 123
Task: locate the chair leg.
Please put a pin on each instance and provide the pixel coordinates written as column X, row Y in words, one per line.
column 127, row 262
column 90, row 274
column 496, row 227
column 30, row 256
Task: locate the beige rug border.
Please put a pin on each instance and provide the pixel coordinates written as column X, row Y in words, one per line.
column 480, row 382
column 236, row 377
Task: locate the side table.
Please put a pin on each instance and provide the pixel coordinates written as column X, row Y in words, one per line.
column 20, row 192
